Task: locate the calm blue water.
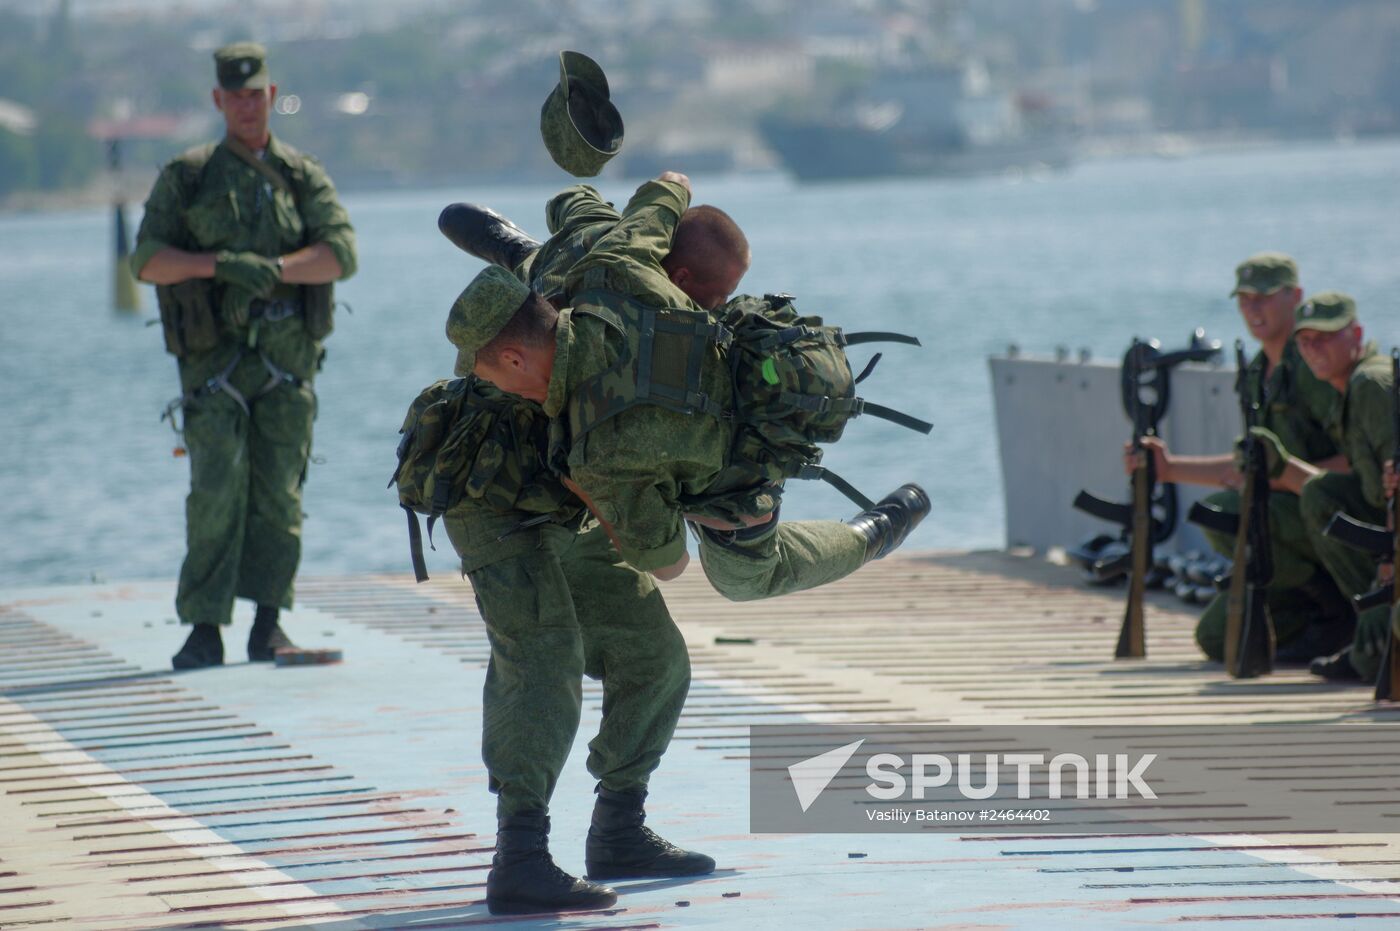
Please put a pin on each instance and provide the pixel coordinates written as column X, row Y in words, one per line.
column 88, row 485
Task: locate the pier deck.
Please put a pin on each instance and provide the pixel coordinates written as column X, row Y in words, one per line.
column 352, row 796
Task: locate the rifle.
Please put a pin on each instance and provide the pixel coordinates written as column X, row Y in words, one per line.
column 1249, row 629
column 1146, row 386
column 1389, row 679
column 1383, row 542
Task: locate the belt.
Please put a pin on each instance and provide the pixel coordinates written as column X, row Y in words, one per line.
column 274, row 310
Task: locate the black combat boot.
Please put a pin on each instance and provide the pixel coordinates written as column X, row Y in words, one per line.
column 621, row 846
column 1335, row 668
column 266, row 636
column 888, row 523
column 524, row 878
column 484, row 233
column 203, row 647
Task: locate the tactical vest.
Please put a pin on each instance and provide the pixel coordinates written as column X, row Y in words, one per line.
column 456, row 443
column 789, row 383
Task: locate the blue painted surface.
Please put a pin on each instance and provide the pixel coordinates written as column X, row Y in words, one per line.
column 403, row 719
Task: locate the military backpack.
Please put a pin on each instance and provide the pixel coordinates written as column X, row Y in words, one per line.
column 464, row 439
column 791, row 384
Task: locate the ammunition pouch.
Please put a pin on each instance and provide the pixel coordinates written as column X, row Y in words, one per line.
column 188, row 317
column 318, row 308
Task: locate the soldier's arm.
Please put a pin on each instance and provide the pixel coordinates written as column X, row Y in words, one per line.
column 160, row 256
column 579, row 205
column 1375, row 418
column 331, row 255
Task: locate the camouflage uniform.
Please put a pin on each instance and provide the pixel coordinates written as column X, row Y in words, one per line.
column 558, row 601
column 243, row 512
column 1362, row 426
column 1297, row 409
column 640, row 496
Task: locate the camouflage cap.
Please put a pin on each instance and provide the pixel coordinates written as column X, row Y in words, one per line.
column 480, row 311
column 581, row 128
column 1265, row 273
column 1328, row 311
column 240, row 65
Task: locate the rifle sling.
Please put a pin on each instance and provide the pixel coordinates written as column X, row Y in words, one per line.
column 273, row 176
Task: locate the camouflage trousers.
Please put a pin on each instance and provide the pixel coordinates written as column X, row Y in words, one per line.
column 780, row 557
column 1298, row 592
column 1354, row 571
column 560, row 604
column 243, row 513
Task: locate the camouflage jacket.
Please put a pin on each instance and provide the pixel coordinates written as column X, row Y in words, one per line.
column 1297, row 404
column 1363, row 424
column 579, row 222
column 208, row 199
column 226, row 204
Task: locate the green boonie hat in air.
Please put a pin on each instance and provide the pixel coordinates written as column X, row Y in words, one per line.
column 480, row 311
column 240, row 65
column 1329, row 311
column 1265, row 273
column 581, row 128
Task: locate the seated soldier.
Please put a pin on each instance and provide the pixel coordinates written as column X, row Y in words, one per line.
column 1310, row 616
column 1332, row 343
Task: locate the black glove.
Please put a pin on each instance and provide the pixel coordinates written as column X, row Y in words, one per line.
column 256, row 274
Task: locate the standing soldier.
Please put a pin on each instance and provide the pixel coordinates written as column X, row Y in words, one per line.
column 243, row 240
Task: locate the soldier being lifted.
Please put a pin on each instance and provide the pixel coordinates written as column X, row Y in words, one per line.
column 243, row 239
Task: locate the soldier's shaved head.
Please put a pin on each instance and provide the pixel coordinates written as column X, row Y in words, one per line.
column 531, row 327
column 709, row 254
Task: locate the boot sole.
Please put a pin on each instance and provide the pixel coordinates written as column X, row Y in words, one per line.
column 601, row 875
column 515, row 907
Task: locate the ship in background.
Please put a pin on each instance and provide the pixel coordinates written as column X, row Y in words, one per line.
column 927, row 119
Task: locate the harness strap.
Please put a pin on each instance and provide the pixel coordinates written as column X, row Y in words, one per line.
column 812, row 471
column 276, row 377
column 415, row 545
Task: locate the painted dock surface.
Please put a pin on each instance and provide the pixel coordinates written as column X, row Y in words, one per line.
column 352, row 796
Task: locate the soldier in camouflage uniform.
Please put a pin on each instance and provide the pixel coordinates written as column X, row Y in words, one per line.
column 559, row 603
column 745, row 551
column 243, row 239
column 1362, row 424
column 1310, row 617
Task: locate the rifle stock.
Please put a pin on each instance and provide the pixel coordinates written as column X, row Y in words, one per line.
column 1132, row 636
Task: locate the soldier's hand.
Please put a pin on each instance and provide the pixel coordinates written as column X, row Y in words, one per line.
column 675, row 177
column 1390, row 480
column 234, row 306
column 1151, row 446
column 1275, row 456
column 1373, row 630
column 255, row 273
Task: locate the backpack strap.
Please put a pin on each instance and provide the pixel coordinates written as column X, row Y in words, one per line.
column 877, row 336
column 415, row 545
column 814, row 471
column 819, row 404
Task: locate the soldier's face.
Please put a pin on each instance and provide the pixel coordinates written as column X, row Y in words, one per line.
column 1330, row 355
column 1269, row 317
column 246, row 113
